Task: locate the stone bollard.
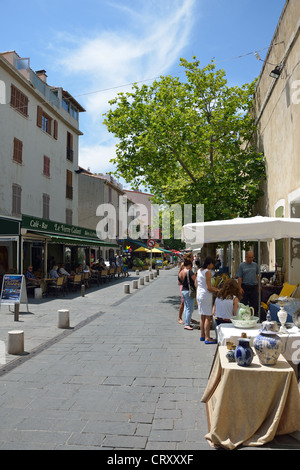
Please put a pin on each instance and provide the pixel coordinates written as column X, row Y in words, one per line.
column 137, row 272
column 126, row 288
column 151, row 275
column 38, row 293
column 63, row 320
column 147, row 278
column 135, row 284
column 155, row 274
column 142, row 281
column 15, row 343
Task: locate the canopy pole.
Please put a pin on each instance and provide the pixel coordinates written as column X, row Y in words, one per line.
column 259, row 281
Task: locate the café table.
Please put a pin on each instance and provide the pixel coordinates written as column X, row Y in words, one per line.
column 249, row 406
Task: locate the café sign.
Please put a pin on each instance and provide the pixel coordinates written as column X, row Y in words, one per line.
column 57, row 228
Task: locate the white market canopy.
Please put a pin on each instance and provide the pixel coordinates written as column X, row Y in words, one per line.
column 257, row 228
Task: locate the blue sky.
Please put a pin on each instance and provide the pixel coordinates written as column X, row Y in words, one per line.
column 93, row 48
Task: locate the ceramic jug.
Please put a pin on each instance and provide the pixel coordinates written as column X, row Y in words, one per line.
column 267, row 344
column 243, row 353
column 245, row 312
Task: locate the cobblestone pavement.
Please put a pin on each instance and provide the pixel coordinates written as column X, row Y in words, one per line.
column 125, row 375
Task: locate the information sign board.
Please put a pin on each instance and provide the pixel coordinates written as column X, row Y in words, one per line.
column 13, row 290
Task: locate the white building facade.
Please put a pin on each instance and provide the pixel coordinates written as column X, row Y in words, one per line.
column 39, row 134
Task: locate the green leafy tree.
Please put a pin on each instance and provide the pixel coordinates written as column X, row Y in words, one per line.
column 188, row 141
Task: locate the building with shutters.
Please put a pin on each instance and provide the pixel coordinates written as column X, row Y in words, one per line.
column 39, row 134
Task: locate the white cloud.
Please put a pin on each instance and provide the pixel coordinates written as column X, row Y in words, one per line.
column 97, row 158
column 148, row 44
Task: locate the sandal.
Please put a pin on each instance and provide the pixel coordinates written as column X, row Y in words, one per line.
column 188, row 328
column 181, row 322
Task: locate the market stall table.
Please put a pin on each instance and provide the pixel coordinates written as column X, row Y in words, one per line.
column 249, row 406
column 291, row 340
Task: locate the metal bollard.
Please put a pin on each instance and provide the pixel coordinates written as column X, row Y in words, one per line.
column 82, row 290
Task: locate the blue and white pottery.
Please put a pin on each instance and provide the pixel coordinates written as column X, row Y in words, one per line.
column 230, row 355
column 267, row 344
column 243, row 353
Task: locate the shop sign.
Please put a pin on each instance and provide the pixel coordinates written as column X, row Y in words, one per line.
column 58, row 228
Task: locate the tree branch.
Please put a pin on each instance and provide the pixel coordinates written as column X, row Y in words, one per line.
column 183, row 165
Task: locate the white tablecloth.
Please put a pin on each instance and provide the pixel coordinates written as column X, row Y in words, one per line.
column 291, row 340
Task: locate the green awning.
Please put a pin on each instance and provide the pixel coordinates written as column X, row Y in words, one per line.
column 64, row 240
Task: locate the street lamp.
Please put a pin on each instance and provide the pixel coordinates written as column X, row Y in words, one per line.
column 276, row 72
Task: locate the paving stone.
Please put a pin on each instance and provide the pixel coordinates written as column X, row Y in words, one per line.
column 124, row 376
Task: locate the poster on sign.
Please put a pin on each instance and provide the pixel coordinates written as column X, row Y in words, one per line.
column 13, row 290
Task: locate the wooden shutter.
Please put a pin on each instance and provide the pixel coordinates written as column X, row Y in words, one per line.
column 46, row 170
column 39, row 116
column 55, row 130
column 18, row 147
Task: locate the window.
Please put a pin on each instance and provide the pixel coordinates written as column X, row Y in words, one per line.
column 46, row 167
column 44, row 121
column 46, row 206
column 69, row 108
column 19, row 101
column 69, row 216
column 18, row 147
column 69, row 146
column 16, row 199
column 69, row 186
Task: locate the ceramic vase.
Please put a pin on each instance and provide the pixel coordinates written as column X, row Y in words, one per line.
column 243, row 353
column 231, row 355
column 267, row 344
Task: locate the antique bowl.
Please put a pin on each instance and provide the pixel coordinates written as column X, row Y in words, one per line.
column 251, row 323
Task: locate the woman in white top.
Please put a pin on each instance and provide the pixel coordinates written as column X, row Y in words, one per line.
column 205, row 299
column 227, row 302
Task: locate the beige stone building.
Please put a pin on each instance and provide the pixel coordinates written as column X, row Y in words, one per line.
column 277, row 108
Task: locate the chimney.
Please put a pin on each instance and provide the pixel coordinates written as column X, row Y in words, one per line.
column 42, row 75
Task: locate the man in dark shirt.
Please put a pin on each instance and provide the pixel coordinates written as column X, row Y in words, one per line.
column 248, row 273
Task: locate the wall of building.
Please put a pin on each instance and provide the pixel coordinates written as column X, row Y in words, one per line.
column 36, row 144
column 277, row 108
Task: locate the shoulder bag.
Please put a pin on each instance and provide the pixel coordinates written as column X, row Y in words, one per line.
column 192, row 292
